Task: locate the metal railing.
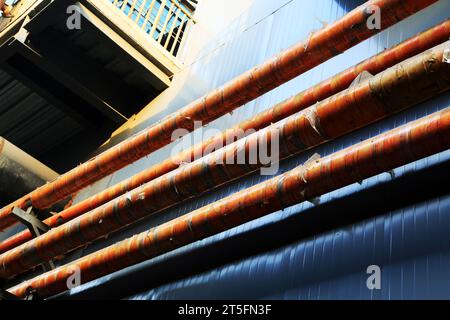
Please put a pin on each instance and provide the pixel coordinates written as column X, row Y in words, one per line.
column 163, row 20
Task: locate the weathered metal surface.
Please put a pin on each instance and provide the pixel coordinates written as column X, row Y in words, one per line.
column 312, row 252
column 321, row 46
column 413, row 81
column 373, row 65
column 410, row 243
column 414, row 141
column 304, row 270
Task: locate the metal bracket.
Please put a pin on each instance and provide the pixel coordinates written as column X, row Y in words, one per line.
column 36, row 227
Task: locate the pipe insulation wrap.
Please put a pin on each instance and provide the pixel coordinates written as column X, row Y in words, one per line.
column 409, row 83
column 374, row 65
column 320, row 47
column 398, row 147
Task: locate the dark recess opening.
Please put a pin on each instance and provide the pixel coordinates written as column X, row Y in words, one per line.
column 79, row 147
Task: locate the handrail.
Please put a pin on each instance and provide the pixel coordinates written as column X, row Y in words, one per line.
column 163, row 20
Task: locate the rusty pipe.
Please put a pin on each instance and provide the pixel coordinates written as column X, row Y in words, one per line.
column 409, row 83
column 398, row 147
column 320, row 47
column 327, row 88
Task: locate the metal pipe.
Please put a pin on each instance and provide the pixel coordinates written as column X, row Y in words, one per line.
column 398, row 147
column 20, row 173
column 320, row 47
column 324, row 90
column 409, row 83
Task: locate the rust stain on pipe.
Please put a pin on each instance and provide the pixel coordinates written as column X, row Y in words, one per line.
column 406, row 84
column 324, row 90
column 414, row 141
column 321, row 46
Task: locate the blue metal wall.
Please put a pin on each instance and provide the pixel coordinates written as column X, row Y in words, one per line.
column 408, row 239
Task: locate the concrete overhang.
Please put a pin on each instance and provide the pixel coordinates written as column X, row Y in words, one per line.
column 106, row 68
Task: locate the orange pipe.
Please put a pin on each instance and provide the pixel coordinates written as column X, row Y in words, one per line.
column 397, row 88
column 326, row 89
column 414, row 141
column 320, row 47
